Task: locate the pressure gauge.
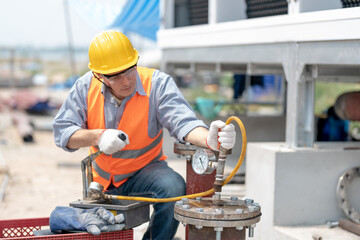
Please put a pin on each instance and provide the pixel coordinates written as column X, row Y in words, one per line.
column 203, row 161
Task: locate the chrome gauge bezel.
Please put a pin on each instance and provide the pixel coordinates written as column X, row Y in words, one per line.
column 205, row 159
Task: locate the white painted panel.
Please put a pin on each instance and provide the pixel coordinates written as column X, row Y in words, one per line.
column 303, row 27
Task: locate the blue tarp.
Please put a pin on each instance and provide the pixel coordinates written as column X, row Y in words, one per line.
column 98, row 14
column 139, row 16
column 129, row 16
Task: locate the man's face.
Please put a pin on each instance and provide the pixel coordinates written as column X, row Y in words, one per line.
column 123, row 83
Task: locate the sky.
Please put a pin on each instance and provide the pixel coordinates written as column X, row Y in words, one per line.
column 41, row 23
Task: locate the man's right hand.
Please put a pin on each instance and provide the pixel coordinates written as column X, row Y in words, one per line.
column 110, row 142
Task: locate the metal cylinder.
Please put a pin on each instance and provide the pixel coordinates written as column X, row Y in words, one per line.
column 196, row 183
column 205, row 220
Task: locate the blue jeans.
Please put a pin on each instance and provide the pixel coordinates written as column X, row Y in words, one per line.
column 156, row 180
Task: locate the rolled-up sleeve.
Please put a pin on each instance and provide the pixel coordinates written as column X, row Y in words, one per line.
column 72, row 116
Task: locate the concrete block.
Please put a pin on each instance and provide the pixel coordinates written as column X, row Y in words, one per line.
column 297, row 187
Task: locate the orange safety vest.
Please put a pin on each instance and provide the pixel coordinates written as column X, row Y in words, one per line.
column 142, row 149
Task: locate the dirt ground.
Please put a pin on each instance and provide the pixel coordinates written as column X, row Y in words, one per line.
column 42, row 175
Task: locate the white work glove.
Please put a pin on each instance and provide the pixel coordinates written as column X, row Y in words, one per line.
column 110, row 142
column 226, row 136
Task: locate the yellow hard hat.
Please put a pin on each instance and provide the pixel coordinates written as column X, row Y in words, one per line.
column 111, row 51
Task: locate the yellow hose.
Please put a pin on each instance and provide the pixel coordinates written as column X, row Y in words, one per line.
column 202, row 194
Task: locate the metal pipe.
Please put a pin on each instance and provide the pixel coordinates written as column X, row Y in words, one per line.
column 251, row 231
column 218, row 231
column 219, row 175
column 86, row 169
column 218, row 235
column 84, row 178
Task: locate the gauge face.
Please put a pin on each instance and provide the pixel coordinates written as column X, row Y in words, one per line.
column 200, row 161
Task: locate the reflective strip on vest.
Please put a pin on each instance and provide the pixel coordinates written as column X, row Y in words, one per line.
column 120, row 177
column 125, row 154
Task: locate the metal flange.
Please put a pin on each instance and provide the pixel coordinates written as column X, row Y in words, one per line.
column 341, row 193
column 232, row 212
column 184, row 148
column 189, row 149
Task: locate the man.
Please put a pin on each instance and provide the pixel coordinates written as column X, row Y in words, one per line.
column 118, row 99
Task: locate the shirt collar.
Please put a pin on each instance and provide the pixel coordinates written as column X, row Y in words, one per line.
column 139, row 86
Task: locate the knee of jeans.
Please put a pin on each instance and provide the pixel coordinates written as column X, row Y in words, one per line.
column 171, row 187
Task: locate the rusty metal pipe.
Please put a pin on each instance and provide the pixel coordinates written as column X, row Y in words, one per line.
column 219, row 177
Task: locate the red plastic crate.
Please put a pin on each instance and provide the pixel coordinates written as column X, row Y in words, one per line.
column 23, row 229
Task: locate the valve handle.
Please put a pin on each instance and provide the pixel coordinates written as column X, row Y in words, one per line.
column 122, row 136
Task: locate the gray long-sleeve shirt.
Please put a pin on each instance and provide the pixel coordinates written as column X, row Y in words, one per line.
column 167, row 109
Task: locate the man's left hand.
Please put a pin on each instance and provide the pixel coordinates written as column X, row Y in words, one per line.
column 226, row 136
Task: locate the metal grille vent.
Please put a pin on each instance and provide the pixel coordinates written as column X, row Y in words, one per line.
column 263, row 8
column 198, row 11
column 191, row 12
column 350, row 3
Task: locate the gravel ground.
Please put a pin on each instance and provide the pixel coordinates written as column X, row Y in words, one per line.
column 37, row 180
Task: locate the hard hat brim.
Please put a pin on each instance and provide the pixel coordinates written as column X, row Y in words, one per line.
column 119, row 69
